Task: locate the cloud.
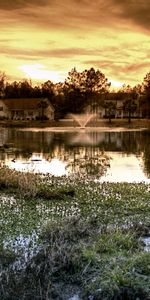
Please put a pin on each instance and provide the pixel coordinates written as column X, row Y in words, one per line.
column 18, row 4
column 104, row 34
column 76, row 14
column 60, row 14
column 51, row 53
column 138, row 12
column 135, row 67
column 120, row 70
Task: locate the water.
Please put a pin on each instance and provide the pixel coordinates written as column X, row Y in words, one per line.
column 71, row 150
column 146, row 241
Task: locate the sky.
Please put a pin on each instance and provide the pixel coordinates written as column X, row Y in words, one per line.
column 44, row 39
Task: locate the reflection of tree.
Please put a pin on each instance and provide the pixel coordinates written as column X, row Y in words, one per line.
column 83, row 161
column 130, row 142
column 145, row 148
column 82, row 152
column 88, row 161
column 146, row 160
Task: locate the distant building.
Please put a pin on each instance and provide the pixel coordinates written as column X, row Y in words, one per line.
column 114, row 102
column 26, row 109
column 118, row 110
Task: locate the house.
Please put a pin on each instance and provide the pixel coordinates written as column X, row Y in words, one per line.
column 115, row 108
column 113, row 104
column 26, row 109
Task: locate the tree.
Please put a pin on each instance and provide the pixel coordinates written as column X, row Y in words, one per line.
column 89, row 82
column 21, row 89
column 42, row 105
column 36, row 92
column 130, row 107
column 73, row 99
column 138, row 92
column 146, row 95
column 26, row 89
column 47, row 89
column 12, row 90
column 2, row 84
column 110, row 108
column 146, row 83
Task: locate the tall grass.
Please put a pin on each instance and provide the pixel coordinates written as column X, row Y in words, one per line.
column 99, row 250
column 74, row 251
column 29, row 185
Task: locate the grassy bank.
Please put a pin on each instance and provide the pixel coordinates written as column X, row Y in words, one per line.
column 96, row 251
column 135, row 123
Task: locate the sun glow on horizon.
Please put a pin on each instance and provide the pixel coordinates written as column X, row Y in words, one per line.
column 116, row 84
column 39, row 72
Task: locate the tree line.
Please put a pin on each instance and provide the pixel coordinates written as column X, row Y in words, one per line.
column 89, row 88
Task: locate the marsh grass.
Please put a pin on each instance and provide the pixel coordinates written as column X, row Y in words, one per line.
column 96, row 247
column 6, row 257
column 24, row 183
column 28, row 185
column 103, row 264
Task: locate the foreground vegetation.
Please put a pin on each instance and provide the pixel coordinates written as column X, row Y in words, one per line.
column 95, row 250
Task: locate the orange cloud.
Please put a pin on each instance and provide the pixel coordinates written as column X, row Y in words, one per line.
column 110, row 35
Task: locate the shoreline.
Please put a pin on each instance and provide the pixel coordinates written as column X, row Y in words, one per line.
column 65, row 123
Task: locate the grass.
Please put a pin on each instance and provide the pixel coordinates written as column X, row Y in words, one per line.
column 90, row 245
column 138, row 123
column 28, row 185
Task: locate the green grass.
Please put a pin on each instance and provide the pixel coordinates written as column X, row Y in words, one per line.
column 89, row 236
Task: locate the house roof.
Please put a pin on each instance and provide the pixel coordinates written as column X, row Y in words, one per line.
column 25, row 103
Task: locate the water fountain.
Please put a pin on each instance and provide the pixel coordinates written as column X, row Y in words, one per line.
column 83, row 119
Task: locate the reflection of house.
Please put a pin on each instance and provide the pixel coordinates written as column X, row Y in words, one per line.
column 26, row 109
column 3, row 136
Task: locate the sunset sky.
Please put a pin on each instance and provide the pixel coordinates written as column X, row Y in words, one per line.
column 45, row 39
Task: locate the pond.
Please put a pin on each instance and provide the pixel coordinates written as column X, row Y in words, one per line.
column 67, row 151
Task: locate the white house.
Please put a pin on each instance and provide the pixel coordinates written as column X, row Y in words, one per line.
column 26, row 109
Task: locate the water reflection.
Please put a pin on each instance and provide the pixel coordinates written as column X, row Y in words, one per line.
column 65, row 152
column 125, row 168
column 37, row 164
